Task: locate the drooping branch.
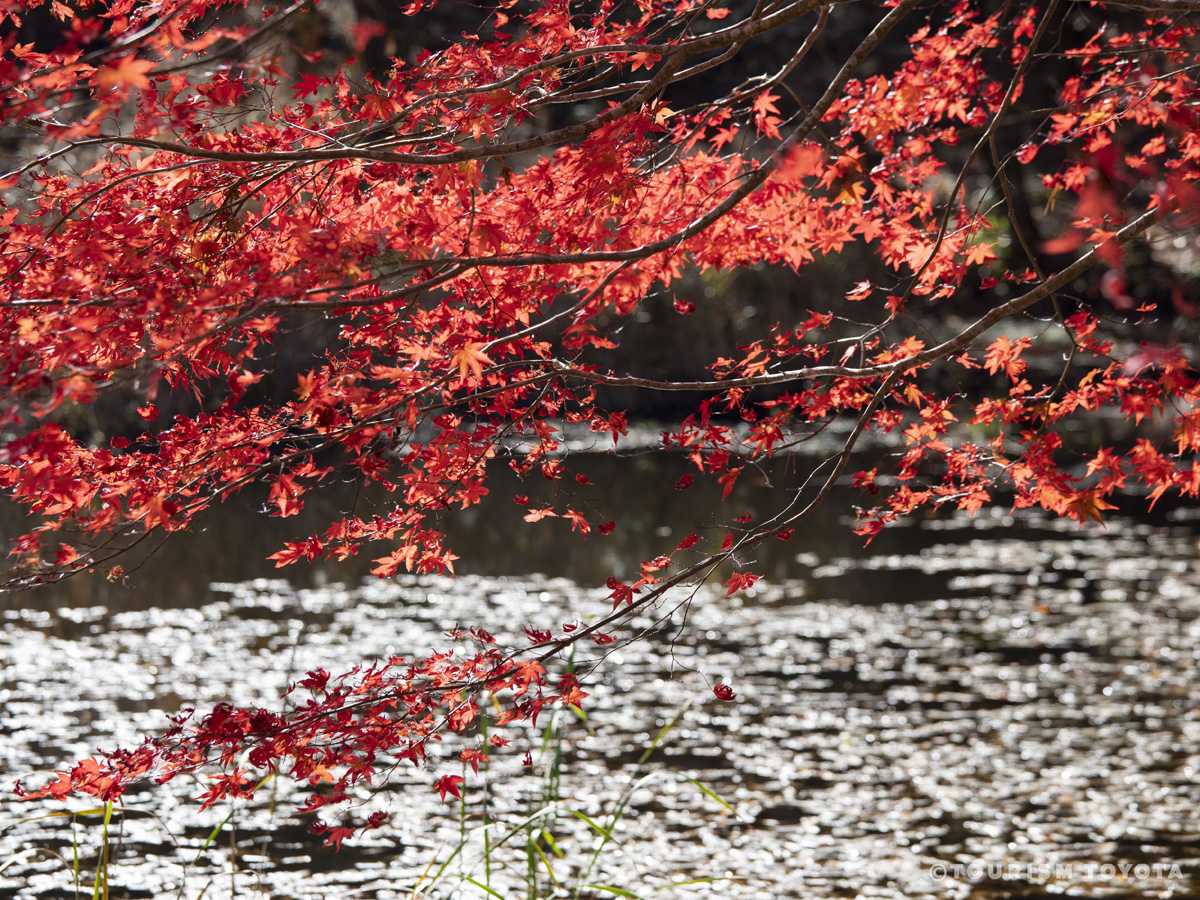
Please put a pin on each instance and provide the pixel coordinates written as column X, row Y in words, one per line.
column 1172, row 7
column 749, row 185
column 949, row 347
column 676, row 54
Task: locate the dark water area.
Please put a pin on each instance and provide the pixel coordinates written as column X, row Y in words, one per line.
column 1005, row 706
column 232, row 543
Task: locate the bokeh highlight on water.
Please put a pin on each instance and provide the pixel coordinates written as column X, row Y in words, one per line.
column 1011, row 695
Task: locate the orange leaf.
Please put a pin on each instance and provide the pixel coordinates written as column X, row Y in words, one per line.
column 124, row 73
column 470, row 359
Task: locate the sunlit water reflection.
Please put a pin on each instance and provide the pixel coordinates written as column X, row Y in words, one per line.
column 1010, row 695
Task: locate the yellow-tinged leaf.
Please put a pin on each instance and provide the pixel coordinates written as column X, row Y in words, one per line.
column 126, row 72
column 470, row 359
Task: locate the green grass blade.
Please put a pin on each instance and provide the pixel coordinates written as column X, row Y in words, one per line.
column 212, row 836
column 663, row 732
column 100, row 885
column 61, row 814
column 713, row 794
column 75, row 855
column 689, row 881
column 546, row 863
column 623, row 803
column 620, row 892
column 441, row 870
column 552, row 844
column 421, row 880
column 22, row 855
column 595, row 826
column 483, row 804
column 614, row 817
column 485, row 888
column 422, row 886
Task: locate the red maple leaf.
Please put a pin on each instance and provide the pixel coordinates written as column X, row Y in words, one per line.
column 448, row 784
column 740, row 581
column 470, row 359
column 124, row 73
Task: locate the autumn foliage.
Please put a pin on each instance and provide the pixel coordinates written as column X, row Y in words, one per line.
column 1008, row 192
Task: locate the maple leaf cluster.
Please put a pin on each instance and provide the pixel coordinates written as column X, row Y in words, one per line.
column 477, row 231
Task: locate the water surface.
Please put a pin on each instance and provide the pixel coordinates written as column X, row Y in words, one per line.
column 1009, row 692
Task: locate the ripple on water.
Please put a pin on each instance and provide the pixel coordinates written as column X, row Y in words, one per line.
column 1035, row 704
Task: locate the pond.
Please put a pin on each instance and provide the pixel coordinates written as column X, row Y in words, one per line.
column 1004, row 706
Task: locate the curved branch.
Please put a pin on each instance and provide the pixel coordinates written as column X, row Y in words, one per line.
column 1175, row 7
column 676, row 55
column 955, row 344
column 748, row 186
column 734, row 35
column 1009, row 95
